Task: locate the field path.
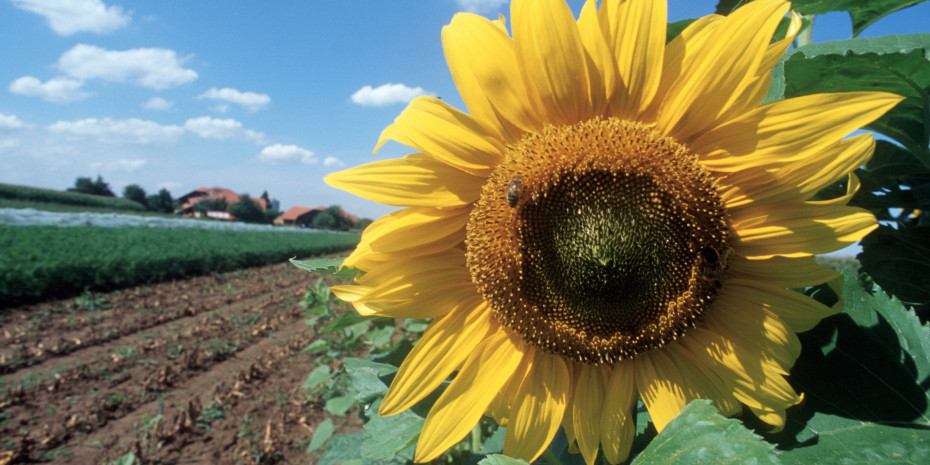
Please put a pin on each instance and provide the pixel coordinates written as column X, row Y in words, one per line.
column 204, row 370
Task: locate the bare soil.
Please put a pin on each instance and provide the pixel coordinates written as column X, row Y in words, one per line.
column 203, row 370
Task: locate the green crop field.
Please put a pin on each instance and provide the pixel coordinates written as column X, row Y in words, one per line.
column 31, row 195
column 52, row 261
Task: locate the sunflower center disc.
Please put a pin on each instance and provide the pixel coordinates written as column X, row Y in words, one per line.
column 599, row 240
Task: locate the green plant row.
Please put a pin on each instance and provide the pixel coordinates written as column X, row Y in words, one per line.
column 33, row 194
column 51, row 261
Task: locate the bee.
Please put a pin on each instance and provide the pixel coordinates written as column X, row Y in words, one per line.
column 713, row 263
column 514, row 191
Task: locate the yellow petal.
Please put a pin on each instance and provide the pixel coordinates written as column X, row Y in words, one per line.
column 601, row 65
column 434, row 127
column 587, row 407
column 413, row 228
column 703, row 94
column 443, row 348
column 466, row 399
column 780, row 272
column 789, row 130
column 484, row 67
column 753, row 325
column 797, row 310
column 663, row 388
column 552, row 58
column 636, row 33
column 797, row 180
column 756, row 382
column 538, row 407
column 798, row 229
column 413, row 181
column 703, row 380
column 617, row 425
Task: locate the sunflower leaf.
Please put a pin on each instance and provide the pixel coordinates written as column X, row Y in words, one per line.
column 367, row 379
column 886, row 411
column 863, row 13
column 898, row 259
column 896, row 64
column 393, row 436
column 501, row 460
column 331, row 266
column 699, row 434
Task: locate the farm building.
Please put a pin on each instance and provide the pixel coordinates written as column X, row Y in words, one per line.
column 303, row 216
column 200, row 194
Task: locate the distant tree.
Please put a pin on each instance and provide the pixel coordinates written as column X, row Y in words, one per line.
column 135, row 193
column 341, row 222
column 204, row 205
column 247, row 210
column 267, row 199
column 98, row 187
column 160, row 202
column 363, row 223
column 323, row 220
column 271, row 214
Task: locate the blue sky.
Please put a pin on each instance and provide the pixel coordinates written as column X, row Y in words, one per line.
column 250, row 95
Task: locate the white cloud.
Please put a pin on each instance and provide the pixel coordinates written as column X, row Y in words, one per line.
column 132, row 131
column 249, row 100
column 157, row 103
column 333, row 162
column 126, row 166
column 478, row 6
column 155, row 68
column 386, row 94
column 67, row 17
column 55, row 90
column 221, row 129
column 11, row 122
column 279, row 153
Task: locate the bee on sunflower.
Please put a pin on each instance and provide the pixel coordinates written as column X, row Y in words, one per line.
column 614, row 218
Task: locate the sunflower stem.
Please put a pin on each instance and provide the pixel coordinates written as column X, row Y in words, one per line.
column 551, row 457
column 806, row 35
column 476, row 437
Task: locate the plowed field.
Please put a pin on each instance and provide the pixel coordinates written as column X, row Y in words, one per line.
column 203, row 370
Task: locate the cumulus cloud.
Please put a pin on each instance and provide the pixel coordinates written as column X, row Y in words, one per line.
column 279, row 153
column 67, row 17
column 11, row 122
column 131, row 131
column 221, row 129
column 155, row 68
column 157, row 103
column 386, row 94
column 55, row 90
column 333, row 162
column 249, row 100
column 478, row 6
column 126, row 166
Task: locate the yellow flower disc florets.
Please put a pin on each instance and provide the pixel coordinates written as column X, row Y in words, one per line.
column 598, row 240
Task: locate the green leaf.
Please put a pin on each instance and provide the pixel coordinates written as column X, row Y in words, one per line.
column 392, row 436
column 501, row 460
column 896, row 64
column 865, row 375
column 326, row 266
column 367, row 379
column 339, row 405
column 863, row 13
column 128, row 459
column 316, row 346
column 673, row 29
column 344, row 449
column 899, row 261
column 700, row 435
column 323, row 432
column 345, row 320
column 379, row 337
column 725, row 7
column 318, row 376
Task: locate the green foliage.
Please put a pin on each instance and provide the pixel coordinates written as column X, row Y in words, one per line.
column 207, row 204
column 160, row 202
column 326, row 266
column 33, row 194
column 247, row 210
column 135, row 193
column 700, row 435
column 62, row 261
column 93, row 187
column 323, row 220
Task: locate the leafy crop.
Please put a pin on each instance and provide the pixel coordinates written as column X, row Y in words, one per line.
column 64, row 261
column 32, row 194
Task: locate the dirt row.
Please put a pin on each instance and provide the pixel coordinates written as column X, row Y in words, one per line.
column 205, row 370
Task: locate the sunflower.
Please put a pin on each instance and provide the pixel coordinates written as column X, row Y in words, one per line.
column 614, row 218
